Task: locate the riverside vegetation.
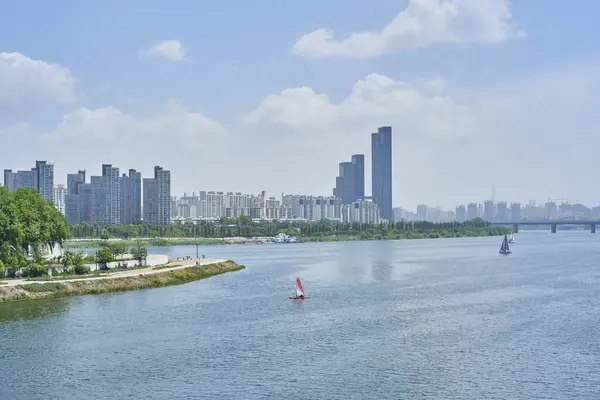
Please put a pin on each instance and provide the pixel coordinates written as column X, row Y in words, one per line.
column 180, row 276
column 206, row 232
column 29, row 226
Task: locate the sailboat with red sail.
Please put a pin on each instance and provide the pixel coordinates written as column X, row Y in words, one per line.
column 299, row 291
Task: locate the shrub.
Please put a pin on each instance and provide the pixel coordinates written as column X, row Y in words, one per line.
column 81, row 270
column 34, row 271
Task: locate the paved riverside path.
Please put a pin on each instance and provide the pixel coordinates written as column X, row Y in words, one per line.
column 177, row 264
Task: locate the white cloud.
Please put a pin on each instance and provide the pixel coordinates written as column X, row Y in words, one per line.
column 27, row 82
column 291, row 142
column 422, row 23
column 175, row 137
column 309, row 135
column 531, row 137
column 170, row 49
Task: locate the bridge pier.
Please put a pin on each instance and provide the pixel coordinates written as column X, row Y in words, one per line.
column 593, row 228
column 553, row 228
column 515, row 228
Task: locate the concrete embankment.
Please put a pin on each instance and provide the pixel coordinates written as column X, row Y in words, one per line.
column 184, row 272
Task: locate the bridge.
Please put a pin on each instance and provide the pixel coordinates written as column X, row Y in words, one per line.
column 553, row 224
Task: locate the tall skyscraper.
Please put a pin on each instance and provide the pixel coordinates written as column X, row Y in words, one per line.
column 381, row 149
column 157, row 198
column 358, row 162
column 131, row 197
column 350, row 184
column 44, row 180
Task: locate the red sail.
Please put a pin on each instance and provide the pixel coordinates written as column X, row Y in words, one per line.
column 299, row 289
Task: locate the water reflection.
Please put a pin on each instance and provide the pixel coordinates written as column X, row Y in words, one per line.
column 382, row 254
column 32, row 309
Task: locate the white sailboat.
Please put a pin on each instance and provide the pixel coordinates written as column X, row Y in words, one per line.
column 512, row 238
column 504, row 249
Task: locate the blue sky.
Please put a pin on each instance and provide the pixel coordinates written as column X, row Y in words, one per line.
column 239, row 53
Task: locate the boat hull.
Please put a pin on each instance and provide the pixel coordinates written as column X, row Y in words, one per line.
column 298, row 298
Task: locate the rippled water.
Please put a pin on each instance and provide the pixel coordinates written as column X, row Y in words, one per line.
column 432, row 319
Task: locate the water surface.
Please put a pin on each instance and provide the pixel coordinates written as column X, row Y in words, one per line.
column 435, row 319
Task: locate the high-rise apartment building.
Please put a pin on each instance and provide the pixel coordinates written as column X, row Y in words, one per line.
column 11, row 181
column 489, row 210
column 77, row 206
column 461, row 213
column 157, row 198
column 502, row 211
column 381, row 149
column 515, row 212
column 59, row 198
column 106, row 196
column 44, row 180
column 358, row 162
column 472, row 211
column 422, row 212
column 27, row 179
column 74, row 180
column 131, row 197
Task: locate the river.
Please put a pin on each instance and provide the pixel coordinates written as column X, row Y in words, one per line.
column 412, row 319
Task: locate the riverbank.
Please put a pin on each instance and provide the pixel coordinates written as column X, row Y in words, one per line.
column 365, row 235
column 152, row 277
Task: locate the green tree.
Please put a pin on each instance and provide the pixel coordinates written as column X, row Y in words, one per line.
column 118, row 249
column 104, row 256
column 139, row 252
column 27, row 222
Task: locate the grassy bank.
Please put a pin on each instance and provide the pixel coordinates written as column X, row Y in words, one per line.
column 392, row 234
column 95, row 243
column 415, row 234
column 32, row 291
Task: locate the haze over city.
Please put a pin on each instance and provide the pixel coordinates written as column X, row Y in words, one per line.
column 478, row 93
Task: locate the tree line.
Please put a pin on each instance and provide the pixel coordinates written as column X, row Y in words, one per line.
column 244, row 226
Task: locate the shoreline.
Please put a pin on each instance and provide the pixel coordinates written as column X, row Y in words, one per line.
column 179, row 241
column 121, row 281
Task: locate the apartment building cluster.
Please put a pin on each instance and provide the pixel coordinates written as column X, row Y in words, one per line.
column 112, row 198
column 213, row 205
column 109, row 198
column 502, row 211
column 424, row 213
column 40, row 178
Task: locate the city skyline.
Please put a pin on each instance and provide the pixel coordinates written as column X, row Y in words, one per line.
column 72, row 179
column 509, row 100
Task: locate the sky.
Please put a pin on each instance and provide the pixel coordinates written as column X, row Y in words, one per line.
column 270, row 95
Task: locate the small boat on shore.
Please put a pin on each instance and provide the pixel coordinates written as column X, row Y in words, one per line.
column 299, row 291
